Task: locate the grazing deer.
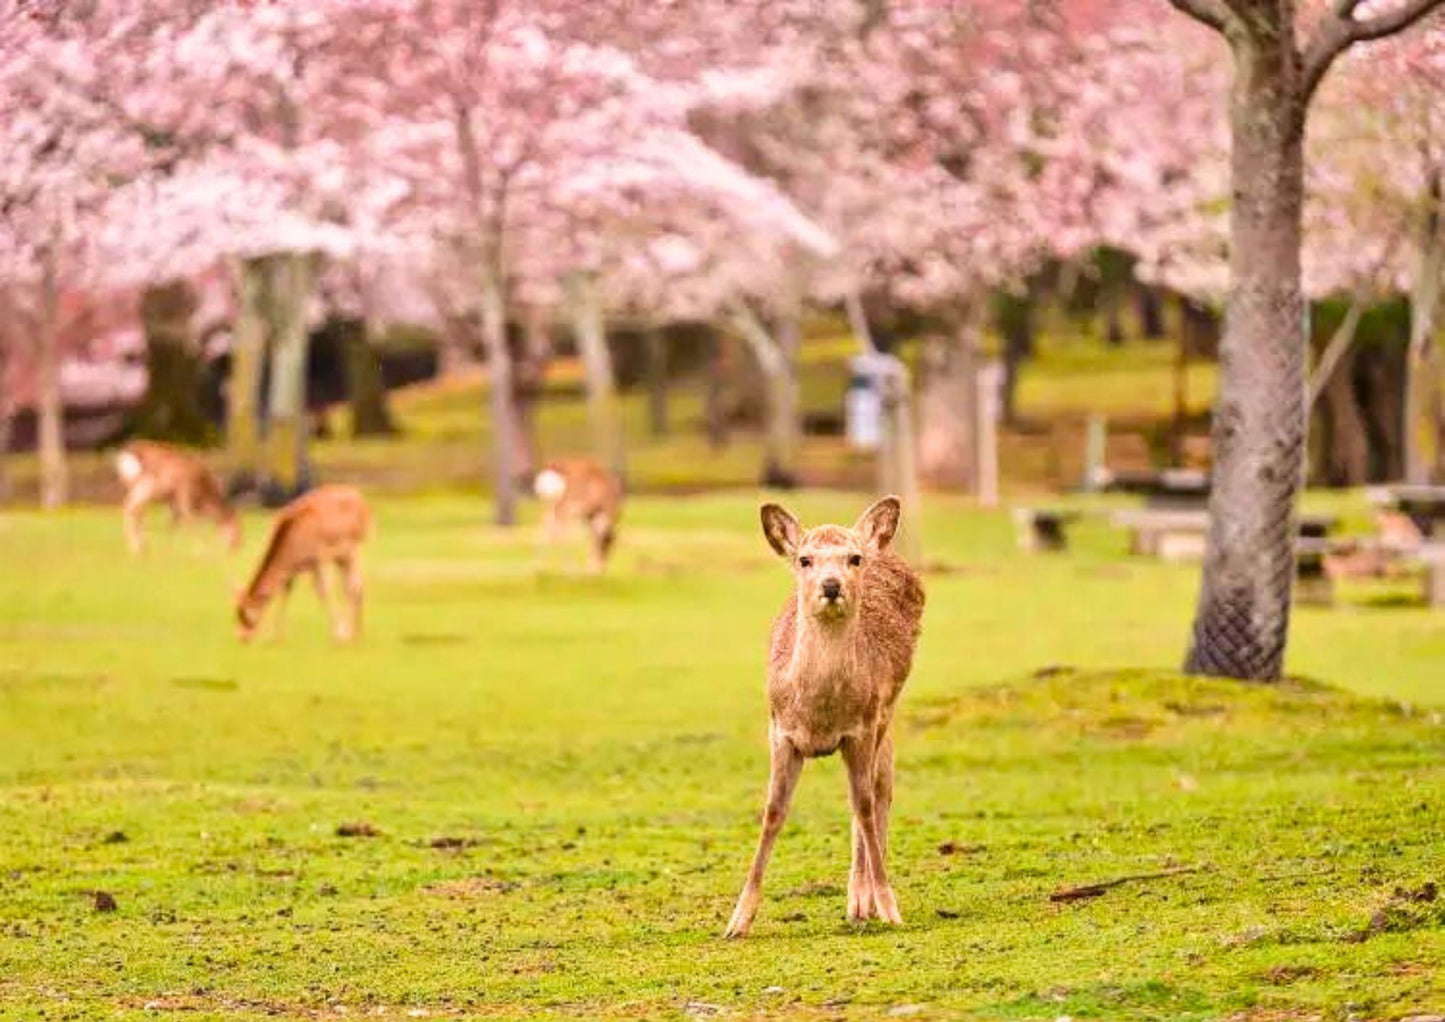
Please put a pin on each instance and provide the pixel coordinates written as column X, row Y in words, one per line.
column 326, row 526
column 153, row 472
column 841, row 650
column 578, row 490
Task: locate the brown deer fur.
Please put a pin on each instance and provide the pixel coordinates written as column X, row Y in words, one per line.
column 578, row 490
column 325, row 527
column 841, row 650
column 154, row 472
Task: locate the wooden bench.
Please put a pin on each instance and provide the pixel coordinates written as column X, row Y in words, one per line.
column 1322, row 562
column 1039, row 529
column 1168, row 535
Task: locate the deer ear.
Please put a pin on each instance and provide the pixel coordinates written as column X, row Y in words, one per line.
column 781, row 529
column 880, row 522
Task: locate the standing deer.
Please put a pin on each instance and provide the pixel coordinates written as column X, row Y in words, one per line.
column 153, row 472
column 578, row 490
column 841, row 650
column 326, row 526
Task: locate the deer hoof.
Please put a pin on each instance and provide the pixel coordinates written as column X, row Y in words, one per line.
column 886, row 906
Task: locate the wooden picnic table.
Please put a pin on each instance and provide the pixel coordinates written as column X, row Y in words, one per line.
column 1179, row 535
column 1169, row 488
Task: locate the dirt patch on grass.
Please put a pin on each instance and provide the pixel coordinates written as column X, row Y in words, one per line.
column 470, row 887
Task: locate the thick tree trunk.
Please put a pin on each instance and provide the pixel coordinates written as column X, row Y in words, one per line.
column 1429, row 270
column 1242, row 622
column 171, row 408
column 604, row 411
column 248, row 357
column 777, row 358
column 288, row 425
column 947, row 412
column 365, row 388
column 50, row 405
column 657, row 369
column 503, row 406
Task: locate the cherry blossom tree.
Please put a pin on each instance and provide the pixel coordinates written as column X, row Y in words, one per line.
column 1242, row 623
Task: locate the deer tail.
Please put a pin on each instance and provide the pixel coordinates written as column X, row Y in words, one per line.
column 128, row 466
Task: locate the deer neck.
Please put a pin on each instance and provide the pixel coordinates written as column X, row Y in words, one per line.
column 826, row 648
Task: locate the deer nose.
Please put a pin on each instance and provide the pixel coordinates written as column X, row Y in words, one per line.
column 832, row 588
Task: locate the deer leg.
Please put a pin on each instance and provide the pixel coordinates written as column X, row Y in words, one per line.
column 787, row 764
column 279, row 626
column 130, row 513
column 861, row 760
column 340, row 630
column 860, row 887
column 355, row 590
column 547, row 539
column 601, row 539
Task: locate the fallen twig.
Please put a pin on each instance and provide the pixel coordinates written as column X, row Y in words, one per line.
column 1094, row 890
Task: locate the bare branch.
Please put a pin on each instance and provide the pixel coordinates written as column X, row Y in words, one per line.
column 1206, row 12
column 1342, row 31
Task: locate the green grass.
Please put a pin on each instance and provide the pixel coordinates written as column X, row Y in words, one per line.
column 596, row 747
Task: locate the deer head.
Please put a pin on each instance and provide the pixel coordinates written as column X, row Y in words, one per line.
column 829, row 561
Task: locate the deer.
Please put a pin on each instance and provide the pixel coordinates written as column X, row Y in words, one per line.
column 154, row 472
column 840, row 651
column 579, row 490
column 319, row 529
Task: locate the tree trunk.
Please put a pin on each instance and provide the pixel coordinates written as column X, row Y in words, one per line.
column 946, row 442
column 1242, row 622
column 365, row 388
column 1151, row 312
column 288, row 426
column 1346, row 454
column 777, row 358
column 504, row 423
column 49, row 403
column 1180, row 424
column 5, row 421
column 248, row 357
column 171, row 407
column 656, row 382
column 604, row 412
column 530, row 380
column 715, row 414
column 898, row 456
column 1015, row 320
column 1429, row 272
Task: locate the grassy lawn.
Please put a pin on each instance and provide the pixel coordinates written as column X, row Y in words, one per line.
column 562, row 775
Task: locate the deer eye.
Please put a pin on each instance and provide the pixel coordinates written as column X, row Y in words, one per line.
column 854, row 560
column 805, row 562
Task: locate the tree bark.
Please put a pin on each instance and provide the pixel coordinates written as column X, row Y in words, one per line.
column 248, row 357
column 604, row 412
column 288, row 426
column 171, row 407
column 1346, row 454
column 777, row 358
column 365, row 389
column 1014, row 317
column 1429, row 272
column 5, row 420
column 657, row 369
column 1242, row 622
column 503, row 407
column 528, row 385
column 50, row 405
column 946, row 443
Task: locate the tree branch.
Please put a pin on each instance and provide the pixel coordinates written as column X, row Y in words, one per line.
column 1207, row 12
column 1342, row 31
